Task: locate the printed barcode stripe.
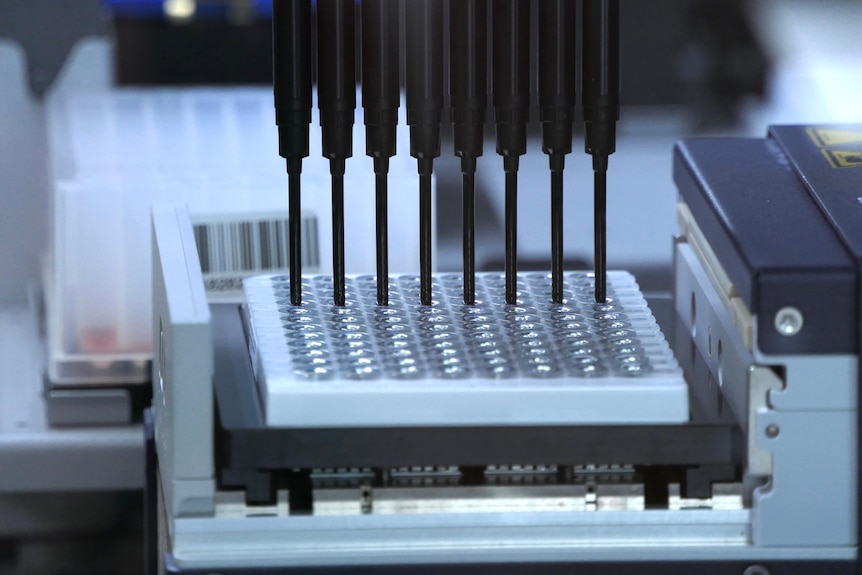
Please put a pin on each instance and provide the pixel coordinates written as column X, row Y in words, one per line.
column 244, row 247
column 310, row 240
column 265, row 252
column 203, row 247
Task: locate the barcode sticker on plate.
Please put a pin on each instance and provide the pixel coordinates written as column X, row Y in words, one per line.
column 230, row 250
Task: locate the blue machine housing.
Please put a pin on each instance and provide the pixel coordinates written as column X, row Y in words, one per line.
column 784, row 221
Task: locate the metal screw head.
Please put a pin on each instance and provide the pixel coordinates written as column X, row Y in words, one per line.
column 788, row 321
column 756, row 570
column 772, row 431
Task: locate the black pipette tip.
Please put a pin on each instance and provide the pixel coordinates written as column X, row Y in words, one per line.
column 425, row 168
column 601, row 72
column 468, row 184
column 600, row 185
column 510, row 165
column 556, row 162
column 380, row 100
column 336, row 99
column 600, row 191
column 424, row 87
column 557, row 95
column 294, row 225
column 291, row 40
column 511, row 39
column 381, row 185
column 468, row 86
column 337, row 171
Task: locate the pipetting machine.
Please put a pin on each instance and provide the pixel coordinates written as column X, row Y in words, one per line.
column 320, row 413
column 525, row 422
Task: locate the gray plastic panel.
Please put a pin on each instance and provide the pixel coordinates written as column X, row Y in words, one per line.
column 534, row 363
column 182, row 366
column 81, row 407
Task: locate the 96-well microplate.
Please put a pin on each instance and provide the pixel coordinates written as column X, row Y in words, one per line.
column 533, row 363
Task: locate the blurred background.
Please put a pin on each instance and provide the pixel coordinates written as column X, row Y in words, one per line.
column 70, row 488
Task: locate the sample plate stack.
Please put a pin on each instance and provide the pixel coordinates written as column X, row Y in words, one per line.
column 450, row 364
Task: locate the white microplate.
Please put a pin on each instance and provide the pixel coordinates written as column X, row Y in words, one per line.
column 534, row 363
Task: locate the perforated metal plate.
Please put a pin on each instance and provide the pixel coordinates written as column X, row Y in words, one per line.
column 533, row 363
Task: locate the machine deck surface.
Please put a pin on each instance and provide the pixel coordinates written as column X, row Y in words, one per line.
column 536, row 363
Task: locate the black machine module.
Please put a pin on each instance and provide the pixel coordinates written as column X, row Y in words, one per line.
column 424, row 79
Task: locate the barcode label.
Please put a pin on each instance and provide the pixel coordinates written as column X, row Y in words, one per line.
column 235, row 249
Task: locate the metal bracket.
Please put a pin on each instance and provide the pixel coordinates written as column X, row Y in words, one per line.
column 761, row 380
